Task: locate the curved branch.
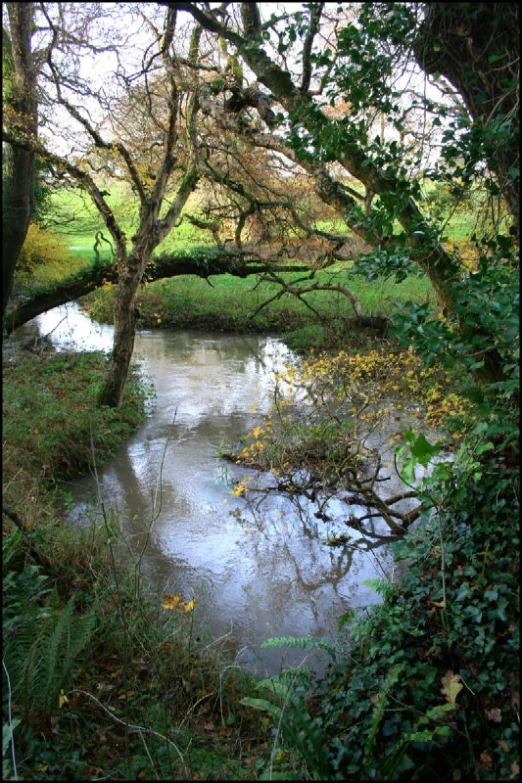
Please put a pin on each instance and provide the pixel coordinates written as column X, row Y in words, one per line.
column 93, row 133
column 316, row 10
column 88, row 280
column 80, row 176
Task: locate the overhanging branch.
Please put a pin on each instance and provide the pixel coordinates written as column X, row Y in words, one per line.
column 88, row 280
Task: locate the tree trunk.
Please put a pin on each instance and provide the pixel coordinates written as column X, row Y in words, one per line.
column 130, row 274
column 16, row 212
column 476, row 46
column 20, row 117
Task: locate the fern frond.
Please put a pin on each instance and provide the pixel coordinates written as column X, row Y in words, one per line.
column 379, row 709
column 42, row 650
column 289, row 678
column 301, row 642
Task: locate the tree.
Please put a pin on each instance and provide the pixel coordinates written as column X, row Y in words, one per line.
column 265, row 112
column 166, row 145
column 20, row 120
column 476, row 47
column 360, row 71
column 146, row 135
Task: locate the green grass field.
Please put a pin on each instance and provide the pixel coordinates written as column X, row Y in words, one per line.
column 229, row 303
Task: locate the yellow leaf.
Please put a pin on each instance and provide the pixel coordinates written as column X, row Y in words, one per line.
column 451, row 686
column 171, row 602
column 190, row 605
column 62, row 699
column 239, row 489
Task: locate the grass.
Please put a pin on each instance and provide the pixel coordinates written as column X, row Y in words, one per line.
column 227, row 303
column 50, row 405
column 80, row 222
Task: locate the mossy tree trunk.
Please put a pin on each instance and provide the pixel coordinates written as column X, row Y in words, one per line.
column 20, row 119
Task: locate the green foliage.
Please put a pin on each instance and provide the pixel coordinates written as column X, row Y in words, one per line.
column 300, row 732
column 300, row 642
column 41, row 248
column 382, row 264
column 41, row 643
column 484, row 319
column 428, row 676
column 422, row 452
column 50, row 400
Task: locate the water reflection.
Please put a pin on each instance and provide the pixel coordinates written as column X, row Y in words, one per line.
column 259, row 566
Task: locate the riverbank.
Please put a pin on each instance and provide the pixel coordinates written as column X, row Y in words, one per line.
column 230, row 304
column 131, row 660
column 139, row 695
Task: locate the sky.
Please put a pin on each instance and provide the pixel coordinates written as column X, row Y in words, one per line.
column 132, row 36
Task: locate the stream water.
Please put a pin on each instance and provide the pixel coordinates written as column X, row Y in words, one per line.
column 255, row 572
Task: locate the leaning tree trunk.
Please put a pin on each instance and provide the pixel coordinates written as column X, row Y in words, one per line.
column 476, row 46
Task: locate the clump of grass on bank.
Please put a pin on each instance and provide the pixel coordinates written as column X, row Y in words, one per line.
column 50, row 413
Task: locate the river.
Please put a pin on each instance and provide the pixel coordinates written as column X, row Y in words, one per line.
column 254, row 572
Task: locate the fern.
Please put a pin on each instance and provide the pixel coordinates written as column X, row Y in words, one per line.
column 301, row 732
column 301, row 642
column 380, row 706
column 282, row 683
column 382, row 587
column 42, row 649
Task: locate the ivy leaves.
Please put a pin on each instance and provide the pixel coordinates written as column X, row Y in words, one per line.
column 422, row 452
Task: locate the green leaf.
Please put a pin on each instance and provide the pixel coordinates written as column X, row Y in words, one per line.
column 7, row 733
column 424, row 451
column 263, row 705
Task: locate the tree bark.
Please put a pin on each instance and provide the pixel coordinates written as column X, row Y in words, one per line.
column 88, row 280
column 124, row 332
column 20, row 117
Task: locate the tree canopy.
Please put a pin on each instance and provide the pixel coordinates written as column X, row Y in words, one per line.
column 242, row 120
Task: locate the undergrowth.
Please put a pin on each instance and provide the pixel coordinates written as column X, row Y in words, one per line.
column 227, row 303
column 424, row 686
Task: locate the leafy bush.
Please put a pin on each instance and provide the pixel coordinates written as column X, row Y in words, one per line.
column 41, row 247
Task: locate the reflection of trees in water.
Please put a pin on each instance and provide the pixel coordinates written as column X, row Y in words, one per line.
column 315, row 565
column 201, row 348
